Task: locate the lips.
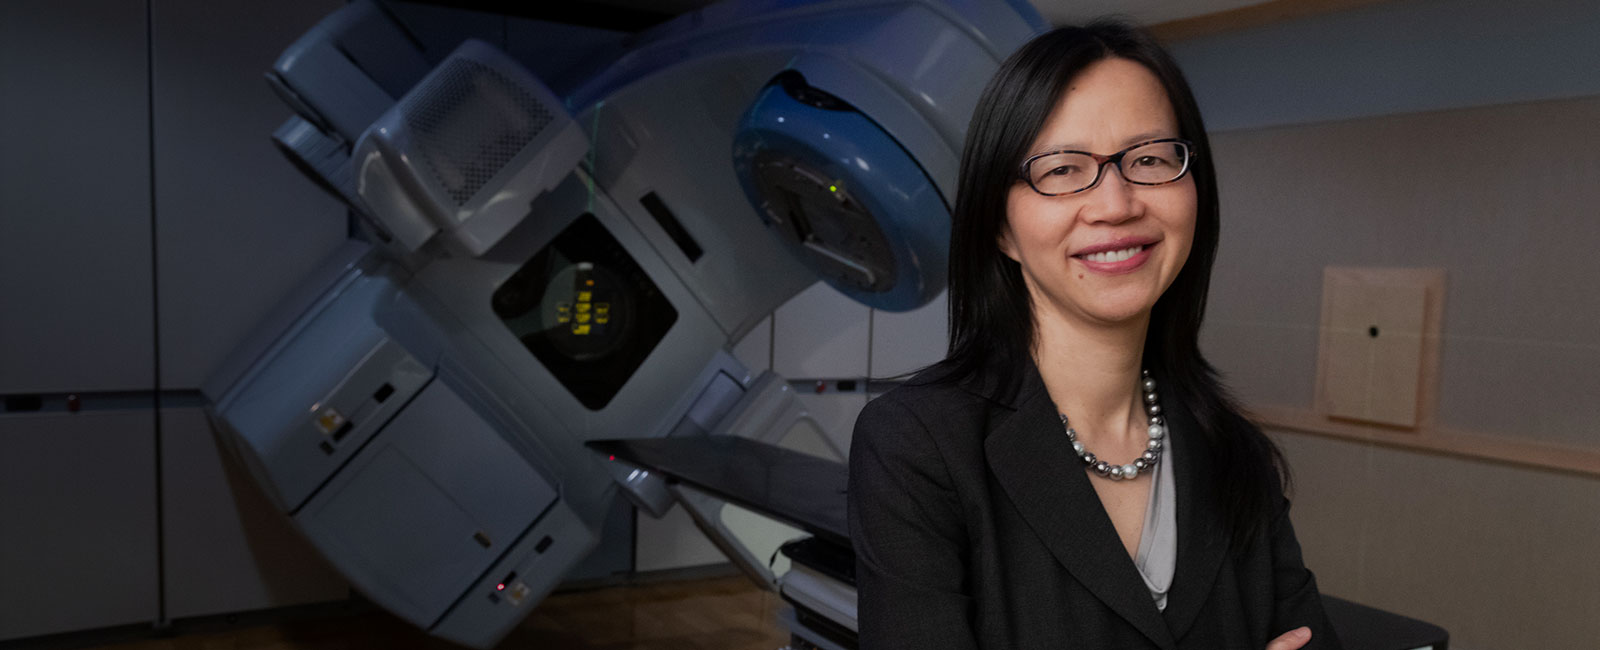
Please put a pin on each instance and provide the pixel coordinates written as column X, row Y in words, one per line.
column 1116, row 257
column 1116, row 246
column 1113, row 256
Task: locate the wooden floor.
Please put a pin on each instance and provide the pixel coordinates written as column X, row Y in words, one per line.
column 709, row 614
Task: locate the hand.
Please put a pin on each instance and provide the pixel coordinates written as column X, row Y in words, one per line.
column 1292, row 640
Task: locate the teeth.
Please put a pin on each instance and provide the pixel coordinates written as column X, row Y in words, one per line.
column 1113, row 256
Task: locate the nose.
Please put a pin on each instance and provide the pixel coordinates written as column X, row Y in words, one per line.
column 1111, row 200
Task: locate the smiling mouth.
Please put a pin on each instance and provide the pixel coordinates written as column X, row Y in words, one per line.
column 1109, row 257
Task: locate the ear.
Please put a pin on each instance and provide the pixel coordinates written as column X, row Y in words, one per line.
column 1006, row 241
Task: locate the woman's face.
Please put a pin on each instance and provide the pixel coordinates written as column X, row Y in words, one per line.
column 1057, row 240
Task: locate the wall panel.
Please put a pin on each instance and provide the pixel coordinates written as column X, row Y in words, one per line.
column 78, row 511
column 1500, row 555
column 1489, row 194
column 74, row 197
column 1394, row 57
column 237, row 225
column 227, row 548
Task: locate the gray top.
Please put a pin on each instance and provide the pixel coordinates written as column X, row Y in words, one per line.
column 1158, row 542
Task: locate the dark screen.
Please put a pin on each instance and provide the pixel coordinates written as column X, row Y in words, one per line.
column 586, row 311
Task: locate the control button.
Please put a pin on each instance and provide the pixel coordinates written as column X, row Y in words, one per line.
column 329, row 420
column 517, row 593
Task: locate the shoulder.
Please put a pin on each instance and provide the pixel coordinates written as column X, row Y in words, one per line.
column 920, row 442
column 932, row 398
column 930, row 413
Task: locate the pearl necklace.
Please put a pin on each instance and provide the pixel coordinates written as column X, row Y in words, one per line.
column 1152, row 452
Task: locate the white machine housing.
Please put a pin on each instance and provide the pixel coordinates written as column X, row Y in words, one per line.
column 419, row 408
column 465, row 151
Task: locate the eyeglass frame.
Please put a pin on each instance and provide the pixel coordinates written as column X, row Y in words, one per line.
column 1114, row 159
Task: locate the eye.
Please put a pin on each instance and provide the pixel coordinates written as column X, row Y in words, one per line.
column 1150, row 161
column 1063, row 170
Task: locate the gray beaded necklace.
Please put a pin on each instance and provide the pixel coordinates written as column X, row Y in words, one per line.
column 1152, row 452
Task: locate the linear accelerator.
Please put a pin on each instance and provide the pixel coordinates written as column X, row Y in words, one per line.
column 540, row 265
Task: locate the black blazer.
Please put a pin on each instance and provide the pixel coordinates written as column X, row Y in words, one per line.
column 975, row 526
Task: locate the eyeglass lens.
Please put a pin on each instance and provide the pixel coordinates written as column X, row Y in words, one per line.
column 1150, row 164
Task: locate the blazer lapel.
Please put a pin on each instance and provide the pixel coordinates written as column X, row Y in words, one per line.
column 1202, row 532
column 1036, row 467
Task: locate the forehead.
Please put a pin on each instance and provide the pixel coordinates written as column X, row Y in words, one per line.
column 1110, row 104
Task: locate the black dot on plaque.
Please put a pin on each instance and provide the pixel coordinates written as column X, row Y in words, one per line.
column 1372, row 332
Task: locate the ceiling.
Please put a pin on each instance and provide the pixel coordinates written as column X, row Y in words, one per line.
column 1146, row 12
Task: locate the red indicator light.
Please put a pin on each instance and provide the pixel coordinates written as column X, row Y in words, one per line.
column 500, row 587
column 613, row 457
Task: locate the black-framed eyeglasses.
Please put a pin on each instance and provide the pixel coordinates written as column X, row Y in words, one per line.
column 1155, row 162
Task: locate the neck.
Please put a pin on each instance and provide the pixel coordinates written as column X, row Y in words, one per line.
column 1092, row 372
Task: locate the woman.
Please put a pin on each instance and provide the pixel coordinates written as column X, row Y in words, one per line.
column 1072, row 475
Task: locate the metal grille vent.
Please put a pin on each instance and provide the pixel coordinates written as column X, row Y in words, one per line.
column 468, row 122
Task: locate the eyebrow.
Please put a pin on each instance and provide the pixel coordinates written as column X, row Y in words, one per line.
column 1142, row 137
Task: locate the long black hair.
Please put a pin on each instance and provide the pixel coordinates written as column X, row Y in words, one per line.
column 991, row 318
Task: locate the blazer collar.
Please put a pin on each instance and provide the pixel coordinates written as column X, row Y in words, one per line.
column 1203, row 536
column 991, row 381
column 1036, row 467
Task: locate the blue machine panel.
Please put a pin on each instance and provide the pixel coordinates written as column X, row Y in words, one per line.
column 848, row 200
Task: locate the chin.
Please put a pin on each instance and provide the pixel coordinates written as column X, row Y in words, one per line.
column 1124, row 310
column 1122, row 316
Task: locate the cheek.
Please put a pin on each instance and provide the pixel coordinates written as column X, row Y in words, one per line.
column 1176, row 210
column 1183, row 225
column 1182, row 210
column 1018, row 228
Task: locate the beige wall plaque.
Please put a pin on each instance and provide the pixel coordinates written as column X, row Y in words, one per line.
column 1379, row 354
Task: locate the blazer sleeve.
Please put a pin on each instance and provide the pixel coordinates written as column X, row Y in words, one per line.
column 910, row 543
column 1298, row 601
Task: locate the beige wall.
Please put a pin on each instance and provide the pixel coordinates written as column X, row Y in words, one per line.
column 1507, row 199
column 1502, row 557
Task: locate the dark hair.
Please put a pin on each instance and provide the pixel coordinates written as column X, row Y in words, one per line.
column 991, row 318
